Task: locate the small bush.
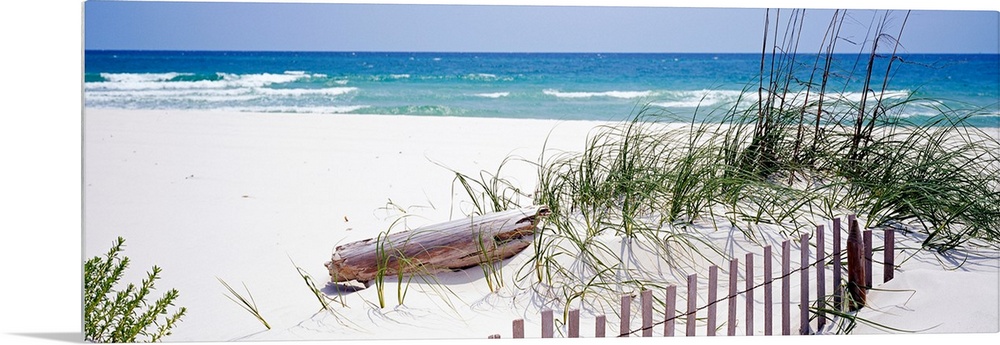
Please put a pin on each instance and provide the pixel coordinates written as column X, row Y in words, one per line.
column 123, row 316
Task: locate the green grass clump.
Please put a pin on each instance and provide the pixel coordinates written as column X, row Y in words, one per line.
column 942, row 176
column 797, row 145
column 124, row 316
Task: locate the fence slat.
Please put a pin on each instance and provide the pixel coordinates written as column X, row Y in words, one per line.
column 547, row 327
column 731, row 322
column 646, row 299
column 889, row 261
column 768, row 292
column 713, row 295
column 820, row 274
column 749, row 296
column 804, row 288
column 786, row 288
column 692, row 302
column 855, row 268
column 600, row 325
column 670, row 314
column 574, row 323
column 837, row 269
column 868, row 259
column 626, row 314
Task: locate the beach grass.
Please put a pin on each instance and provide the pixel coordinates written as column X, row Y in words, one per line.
column 246, row 302
column 788, row 151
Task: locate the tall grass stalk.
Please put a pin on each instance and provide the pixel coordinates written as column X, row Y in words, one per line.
column 247, row 303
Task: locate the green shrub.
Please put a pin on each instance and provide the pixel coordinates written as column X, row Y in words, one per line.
column 123, row 316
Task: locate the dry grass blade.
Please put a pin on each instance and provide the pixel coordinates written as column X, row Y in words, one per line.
column 247, row 303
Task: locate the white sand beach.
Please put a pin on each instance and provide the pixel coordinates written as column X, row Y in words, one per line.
column 209, row 195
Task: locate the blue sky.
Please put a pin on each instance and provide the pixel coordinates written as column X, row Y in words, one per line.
column 483, row 28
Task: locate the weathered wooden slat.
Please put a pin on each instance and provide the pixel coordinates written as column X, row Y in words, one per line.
column 734, row 265
column 889, row 260
column 518, row 326
column 670, row 314
column 441, row 247
column 548, row 329
column 600, row 325
column 768, row 292
column 855, row 268
column 868, row 258
column 713, row 296
column 786, row 288
column 646, row 301
column 749, row 293
column 820, row 274
column 837, row 269
column 804, row 288
column 692, row 301
column 574, row 323
column 626, row 313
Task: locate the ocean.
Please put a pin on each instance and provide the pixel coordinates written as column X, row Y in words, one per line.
column 563, row 86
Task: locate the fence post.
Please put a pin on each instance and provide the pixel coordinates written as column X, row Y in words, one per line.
column 547, row 328
column 868, row 259
column 670, row 314
column 600, row 325
column 889, row 261
column 786, row 288
column 768, row 293
column 749, row 297
column 646, row 300
column 574, row 323
column 713, row 295
column 731, row 323
column 855, row 268
column 626, row 314
column 836, row 263
column 821, row 275
column 692, row 301
column 804, row 288
column 518, row 332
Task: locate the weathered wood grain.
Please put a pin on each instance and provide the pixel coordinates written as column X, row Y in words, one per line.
column 435, row 248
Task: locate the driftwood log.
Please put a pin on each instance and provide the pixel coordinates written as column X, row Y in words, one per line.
column 435, row 248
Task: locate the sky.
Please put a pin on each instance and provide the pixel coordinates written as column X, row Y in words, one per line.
column 270, row 26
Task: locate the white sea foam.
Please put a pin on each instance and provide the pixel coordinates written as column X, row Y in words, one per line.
column 888, row 94
column 140, row 77
column 212, row 95
column 161, row 81
column 493, row 94
column 333, row 91
column 205, row 95
column 613, row 94
column 697, row 98
column 299, row 110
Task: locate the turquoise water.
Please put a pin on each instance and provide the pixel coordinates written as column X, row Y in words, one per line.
column 516, row 85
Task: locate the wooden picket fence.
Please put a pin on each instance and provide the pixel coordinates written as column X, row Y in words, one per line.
column 688, row 315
